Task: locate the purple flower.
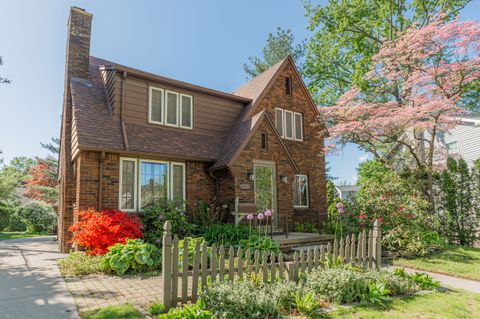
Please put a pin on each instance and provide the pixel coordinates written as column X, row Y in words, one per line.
column 340, row 207
column 158, row 241
column 260, row 216
column 268, row 213
column 250, row 216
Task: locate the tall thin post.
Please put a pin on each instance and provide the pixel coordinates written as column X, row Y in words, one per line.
column 377, row 244
column 167, row 264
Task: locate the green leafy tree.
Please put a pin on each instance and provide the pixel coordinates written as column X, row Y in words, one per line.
column 279, row 45
column 346, row 35
column 457, row 208
column 2, row 79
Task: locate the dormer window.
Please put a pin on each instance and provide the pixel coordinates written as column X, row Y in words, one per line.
column 288, row 85
column 170, row 108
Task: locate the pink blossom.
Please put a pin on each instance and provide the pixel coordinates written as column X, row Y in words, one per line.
column 268, row 213
column 250, row 216
column 260, row 216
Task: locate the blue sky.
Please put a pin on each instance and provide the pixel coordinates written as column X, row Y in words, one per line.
column 202, row 42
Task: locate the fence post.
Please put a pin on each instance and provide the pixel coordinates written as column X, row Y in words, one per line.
column 377, row 243
column 167, row 265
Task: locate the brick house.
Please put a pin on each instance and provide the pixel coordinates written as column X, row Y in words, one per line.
column 129, row 137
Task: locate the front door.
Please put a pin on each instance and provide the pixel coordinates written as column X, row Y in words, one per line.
column 265, row 188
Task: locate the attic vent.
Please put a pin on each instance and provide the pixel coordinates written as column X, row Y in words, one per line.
column 264, row 141
column 288, row 86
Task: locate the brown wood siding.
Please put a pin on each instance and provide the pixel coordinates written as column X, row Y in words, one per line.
column 212, row 115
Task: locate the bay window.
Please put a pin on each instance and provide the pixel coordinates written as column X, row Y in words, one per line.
column 146, row 182
column 300, row 191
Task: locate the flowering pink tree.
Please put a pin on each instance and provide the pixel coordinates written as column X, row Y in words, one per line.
column 413, row 93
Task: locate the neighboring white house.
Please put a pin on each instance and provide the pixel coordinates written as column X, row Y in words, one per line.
column 464, row 140
column 347, row 192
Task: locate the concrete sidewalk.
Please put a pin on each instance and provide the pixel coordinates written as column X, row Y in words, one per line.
column 30, row 282
column 445, row 280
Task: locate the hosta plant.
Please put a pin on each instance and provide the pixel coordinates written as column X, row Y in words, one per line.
column 192, row 311
column 134, row 254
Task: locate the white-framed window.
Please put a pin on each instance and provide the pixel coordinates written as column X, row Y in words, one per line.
column 279, row 120
column 178, row 180
column 170, row 108
column 289, row 124
column 300, row 191
column 145, row 182
column 298, row 125
column 128, row 185
column 155, row 105
column 186, row 111
column 452, row 147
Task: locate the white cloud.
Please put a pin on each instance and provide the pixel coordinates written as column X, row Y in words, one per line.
column 363, row 158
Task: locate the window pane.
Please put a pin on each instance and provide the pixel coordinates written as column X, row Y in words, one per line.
column 288, row 125
column 186, row 111
column 128, row 185
column 153, row 183
column 171, row 108
column 298, row 126
column 301, row 190
column 279, row 121
column 156, row 105
column 177, row 181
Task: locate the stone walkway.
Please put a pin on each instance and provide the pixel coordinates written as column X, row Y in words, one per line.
column 91, row 292
column 30, row 282
column 447, row 281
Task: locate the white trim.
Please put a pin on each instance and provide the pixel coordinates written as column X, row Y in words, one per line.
column 271, row 165
column 180, row 117
column 140, row 161
column 162, row 100
column 184, row 180
column 282, row 121
column 295, row 190
column 292, row 124
column 166, row 107
column 454, row 152
column 135, row 172
column 295, row 126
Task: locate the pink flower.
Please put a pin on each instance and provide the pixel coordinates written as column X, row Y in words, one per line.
column 382, row 197
column 361, row 216
column 250, row 216
column 379, row 219
column 260, row 216
column 268, row 213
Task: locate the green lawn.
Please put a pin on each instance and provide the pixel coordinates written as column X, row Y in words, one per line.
column 4, row 235
column 123, row 311
column 455, row 260
column 446, row 305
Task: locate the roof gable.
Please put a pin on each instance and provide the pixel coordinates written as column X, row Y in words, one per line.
column 239, row 136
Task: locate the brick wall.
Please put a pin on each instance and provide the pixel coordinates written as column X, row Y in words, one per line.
column 200, row 185
column 307, row 154
column 245, row 164
column 77, row 61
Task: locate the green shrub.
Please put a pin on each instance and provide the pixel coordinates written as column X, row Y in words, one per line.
column 192, row 242
column 260, row 243
column 306, row 227
column 79, row 264
column 38, row 216
column 134, row 254
column 422, row 280
column 15, row 223
column 245, row 299
column 377, row 293
column 226, row 234
column 193, row 311
column 154, row 217
column 305, row 302
column 156, row 309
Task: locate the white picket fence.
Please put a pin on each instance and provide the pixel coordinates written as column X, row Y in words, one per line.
column 218, row 264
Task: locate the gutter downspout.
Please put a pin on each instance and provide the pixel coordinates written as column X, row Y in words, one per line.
column 122, row 112
column 100, row 181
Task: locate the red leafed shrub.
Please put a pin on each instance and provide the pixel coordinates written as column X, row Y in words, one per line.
column 96, row 231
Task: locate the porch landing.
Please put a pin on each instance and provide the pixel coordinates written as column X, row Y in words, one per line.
column 295, row 240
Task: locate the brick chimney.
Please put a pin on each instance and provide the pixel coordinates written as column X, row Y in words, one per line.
column 78, row 43
column 76, row 65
